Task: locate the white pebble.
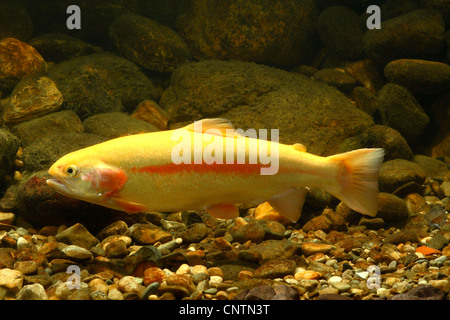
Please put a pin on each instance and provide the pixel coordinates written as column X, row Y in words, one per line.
column 422, row 281
column 420, row 255
column 362, row 274
column 215, row 280
column 184, row 269
column 334, row 279
column 299, row 269
column 22, row 243
column 291, row 281
column 425, row 240
column 199, row 268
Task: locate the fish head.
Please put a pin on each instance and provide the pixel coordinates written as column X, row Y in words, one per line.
column 85, row 178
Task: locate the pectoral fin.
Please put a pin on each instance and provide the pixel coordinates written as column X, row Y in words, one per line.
column 223, row 211
column 290, row 203
column 129, row 207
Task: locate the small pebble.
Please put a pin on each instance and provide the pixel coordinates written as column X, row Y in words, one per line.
column 33, row 291
column 128, row 284
column 215, row 280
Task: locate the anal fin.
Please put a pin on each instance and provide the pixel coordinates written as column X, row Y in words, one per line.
column 289, row 203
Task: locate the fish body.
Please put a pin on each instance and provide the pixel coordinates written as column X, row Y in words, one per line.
column 211, row 167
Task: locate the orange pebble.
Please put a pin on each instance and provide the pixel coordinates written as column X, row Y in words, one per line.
column 427, row 250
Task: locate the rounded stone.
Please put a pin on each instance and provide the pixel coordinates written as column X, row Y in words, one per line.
column 7, row 217
column 77, row 235
column 281, row 33
column 33, row 96
column 416, row 34
column 310, row 248
column 249, row 232
column 401, row 111
column 419, row 76
column 148, row 234
column 148, row 43
column 391, row 208
column 33, row 291
column 336, row 78
column 115, row 124
column 11, row 279
column 340, row 32
column 77, row 252
column 152, row 275
column 260, row 293
column 275, row 269
column 18, row 60
column 398, row 172
column 307, row 275
column 101, row 82
column 116, row 249
column 128, row 284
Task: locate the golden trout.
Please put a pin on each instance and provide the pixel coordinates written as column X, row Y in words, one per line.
column 210, row 166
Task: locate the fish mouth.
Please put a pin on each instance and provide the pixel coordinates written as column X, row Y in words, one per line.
column 59, row 186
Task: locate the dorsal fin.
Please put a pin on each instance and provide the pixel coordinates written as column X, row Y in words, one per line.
column 214, row 125
column 299, row 147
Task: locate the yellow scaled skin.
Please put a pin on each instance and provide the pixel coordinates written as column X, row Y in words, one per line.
column 142, row 173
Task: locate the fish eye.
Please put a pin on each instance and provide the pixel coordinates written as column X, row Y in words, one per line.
column 71, row 170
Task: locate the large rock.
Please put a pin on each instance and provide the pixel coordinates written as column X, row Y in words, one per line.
column 394, row 145
column 417, row 34
column 402, row 112
column 340, row 32
column 57, row 122
column 115, row 124
column 398, row 172
column 18, row 59
column 57, row 47
column 153, row 46
column 260, row 97
column 419, row 76
column 9, row 144
column 32, row 97
column 434, row 168
column 101, row 82
column 44, row 151
column 282, row 32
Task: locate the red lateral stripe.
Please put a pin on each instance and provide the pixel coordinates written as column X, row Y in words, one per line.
column 202, row 168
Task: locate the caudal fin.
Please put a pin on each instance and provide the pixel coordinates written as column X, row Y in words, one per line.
column 357, row 179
